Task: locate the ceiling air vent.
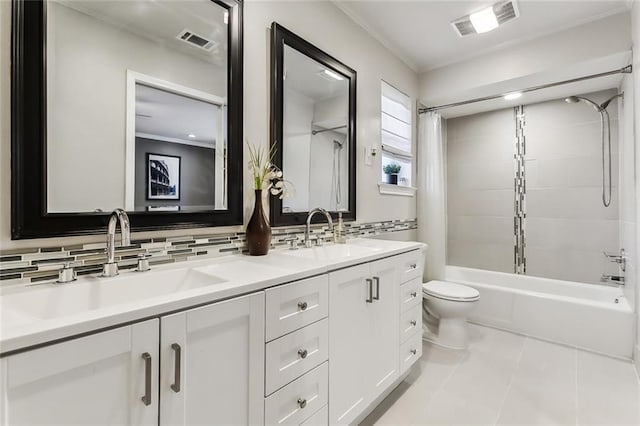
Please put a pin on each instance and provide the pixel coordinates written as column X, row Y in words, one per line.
column 504, row 12
column 196, row 40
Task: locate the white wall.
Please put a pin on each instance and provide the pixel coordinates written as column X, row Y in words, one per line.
column 322, row 24
column 635, row 33
column 86, row 72
column 298, row 114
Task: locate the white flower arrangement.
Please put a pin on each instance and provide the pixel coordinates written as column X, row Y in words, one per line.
column 267, row 175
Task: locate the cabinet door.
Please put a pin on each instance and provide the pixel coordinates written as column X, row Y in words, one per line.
column 349, row 307
column 108, row 378
column 383, row 357
column 213, row 364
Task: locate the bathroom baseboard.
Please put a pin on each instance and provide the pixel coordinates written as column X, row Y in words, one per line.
column 636, row 359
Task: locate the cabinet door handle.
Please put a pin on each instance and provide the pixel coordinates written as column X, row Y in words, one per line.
column 413, row 351
column 414, row 294
column 302, row 353
column 146, row 399
column 177, row 367
column 413, row 266
column 369, row 298
column 377, row 281
column 413, row 323
column 302, row 306
column 302, row 402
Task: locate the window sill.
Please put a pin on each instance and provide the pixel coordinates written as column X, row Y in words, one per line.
column 406, row 191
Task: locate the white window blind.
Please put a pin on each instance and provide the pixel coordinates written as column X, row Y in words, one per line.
column 396, row 128
column 396, row 121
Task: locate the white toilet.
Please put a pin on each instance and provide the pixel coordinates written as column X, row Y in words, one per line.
column 446, row 306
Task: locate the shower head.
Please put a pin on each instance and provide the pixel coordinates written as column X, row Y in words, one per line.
column 576, row 99
column 606, row 103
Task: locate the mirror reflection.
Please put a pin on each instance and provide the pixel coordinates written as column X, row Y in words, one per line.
column 136, row 105
column 315, row 134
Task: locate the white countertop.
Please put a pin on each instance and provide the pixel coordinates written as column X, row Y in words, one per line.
column 32, row 315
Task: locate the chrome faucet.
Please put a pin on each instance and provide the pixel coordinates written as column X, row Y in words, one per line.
column 110, row 268
column 307, row 231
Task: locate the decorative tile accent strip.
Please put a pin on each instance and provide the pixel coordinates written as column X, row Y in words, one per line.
column 35, row 265
column 520, row 186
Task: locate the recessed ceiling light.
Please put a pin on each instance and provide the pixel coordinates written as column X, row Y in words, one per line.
column 484, row 20
column 191, row 135
column 512, row 96
column 333, row 75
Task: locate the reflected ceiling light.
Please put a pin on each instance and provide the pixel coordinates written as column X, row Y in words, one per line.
column 333, row 75
column 191, row 135
column 512, row 96
column 226, row 18
column 484, row 20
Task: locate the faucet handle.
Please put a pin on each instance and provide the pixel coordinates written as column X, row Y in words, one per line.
column 293, row 242
column 619, row 258
column 143, row 262
column 67, row 274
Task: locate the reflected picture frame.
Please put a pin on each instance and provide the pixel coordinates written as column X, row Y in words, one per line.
column 163, row 176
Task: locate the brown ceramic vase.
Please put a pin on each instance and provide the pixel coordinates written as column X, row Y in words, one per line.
column 258, row 232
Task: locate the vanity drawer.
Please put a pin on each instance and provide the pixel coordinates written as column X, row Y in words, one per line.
column 410, row 352
column 292, row 306
column 410, row 323
column 292, row 355
column 410, row 294
column 410, row 266
column 321, row 417
column 299, row 400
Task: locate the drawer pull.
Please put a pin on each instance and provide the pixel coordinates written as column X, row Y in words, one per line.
column 302, row 306
column 178, row 366
column 377, row 281
column 414, row 294
column 369, row 298
column 413, row 266
column 146, row 399
column 413, row 351
column 302, row 402
column 302, row 353
column 413, row 323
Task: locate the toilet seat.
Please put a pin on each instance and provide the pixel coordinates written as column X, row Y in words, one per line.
column 450, row 291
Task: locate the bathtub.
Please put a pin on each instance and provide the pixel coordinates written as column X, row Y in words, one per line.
column 593, row 317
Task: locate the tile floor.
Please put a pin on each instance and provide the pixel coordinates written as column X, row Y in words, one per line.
column 507, row 379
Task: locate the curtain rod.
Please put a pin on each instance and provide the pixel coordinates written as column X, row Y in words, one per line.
column 625, row 70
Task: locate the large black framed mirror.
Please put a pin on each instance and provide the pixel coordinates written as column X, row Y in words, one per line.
column 134, row 104
column 313, row 119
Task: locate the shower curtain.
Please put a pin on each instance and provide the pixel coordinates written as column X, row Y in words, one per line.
column 431, row 210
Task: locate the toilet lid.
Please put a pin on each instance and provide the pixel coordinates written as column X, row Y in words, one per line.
column 450, row 291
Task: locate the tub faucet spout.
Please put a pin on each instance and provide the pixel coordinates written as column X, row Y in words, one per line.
column 612, row 279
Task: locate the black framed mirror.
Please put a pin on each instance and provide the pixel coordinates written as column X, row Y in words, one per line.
column 313, row 119
column 133, row 104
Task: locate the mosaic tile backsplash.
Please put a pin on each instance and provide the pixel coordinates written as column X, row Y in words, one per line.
column 33, row 265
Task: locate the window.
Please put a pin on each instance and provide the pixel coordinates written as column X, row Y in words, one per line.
column 396, row 135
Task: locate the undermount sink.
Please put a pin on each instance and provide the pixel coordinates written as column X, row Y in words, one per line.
column 333, row 252
column 91, row 293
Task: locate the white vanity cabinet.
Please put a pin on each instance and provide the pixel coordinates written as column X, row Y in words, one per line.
column 363, row 336
column 200, row 366
column 107, row 378
column 212, row 369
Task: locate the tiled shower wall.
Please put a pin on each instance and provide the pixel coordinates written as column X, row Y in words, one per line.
column 480, row 190
column 42, row 264
column 567, row 227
